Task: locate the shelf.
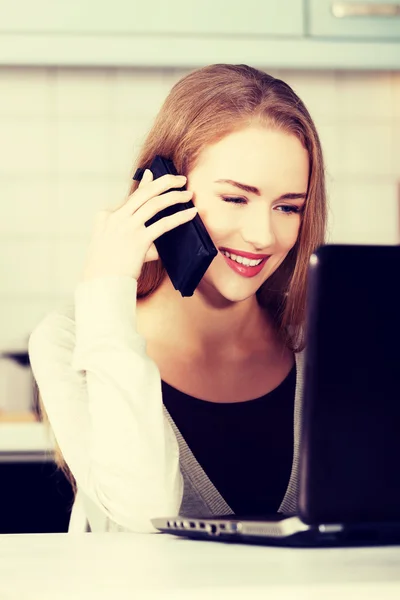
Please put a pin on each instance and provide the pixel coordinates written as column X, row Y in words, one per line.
column 25, row 438
column 17, row 417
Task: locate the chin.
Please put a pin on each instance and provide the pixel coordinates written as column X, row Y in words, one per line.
column 227, row 292
column 220, row 281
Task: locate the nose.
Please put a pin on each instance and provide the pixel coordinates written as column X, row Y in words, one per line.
column 257, row 229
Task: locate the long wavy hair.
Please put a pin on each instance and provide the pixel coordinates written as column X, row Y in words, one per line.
column 202, row 108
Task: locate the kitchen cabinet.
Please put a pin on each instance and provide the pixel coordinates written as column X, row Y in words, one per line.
column 277, row 34
column 35, row 495
column 356, row 20
column 127, row 17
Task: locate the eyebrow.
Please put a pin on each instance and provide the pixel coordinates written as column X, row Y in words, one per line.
column 253, row 190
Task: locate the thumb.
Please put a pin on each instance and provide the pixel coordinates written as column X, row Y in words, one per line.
column 147, row 177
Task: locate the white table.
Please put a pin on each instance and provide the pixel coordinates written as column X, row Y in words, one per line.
column 142, row 566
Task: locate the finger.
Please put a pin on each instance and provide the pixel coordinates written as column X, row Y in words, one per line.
column 167, row 223
column 147, row 177
column 152, row 254
column 153, row 206
column 153, row 188
column 120, row 209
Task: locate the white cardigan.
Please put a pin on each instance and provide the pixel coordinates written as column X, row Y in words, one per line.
column 103, row 397
column 102, row 394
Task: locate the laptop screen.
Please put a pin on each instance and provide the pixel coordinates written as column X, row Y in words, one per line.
column 350, row 448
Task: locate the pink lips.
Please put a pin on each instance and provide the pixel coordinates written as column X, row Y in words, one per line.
column 249, row 255
column 244, row 270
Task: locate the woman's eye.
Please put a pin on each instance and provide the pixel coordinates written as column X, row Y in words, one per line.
column 288, row 210
column 233, row 199
column 284, row 208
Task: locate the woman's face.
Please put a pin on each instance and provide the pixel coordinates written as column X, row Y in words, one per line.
column 263, row 220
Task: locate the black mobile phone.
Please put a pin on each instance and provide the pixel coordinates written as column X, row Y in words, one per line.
column 187, row 250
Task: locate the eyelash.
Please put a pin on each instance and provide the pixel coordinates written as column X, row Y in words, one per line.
column 291, row 209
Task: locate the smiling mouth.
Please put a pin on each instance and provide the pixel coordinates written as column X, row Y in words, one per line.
column 243, row 269
column 243, row 260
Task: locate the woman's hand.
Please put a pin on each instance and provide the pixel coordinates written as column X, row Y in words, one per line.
column 120, row 242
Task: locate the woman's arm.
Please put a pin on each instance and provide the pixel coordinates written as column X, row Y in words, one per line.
column 102, row 394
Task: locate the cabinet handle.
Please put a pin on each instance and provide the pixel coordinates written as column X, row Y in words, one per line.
column 366, row 9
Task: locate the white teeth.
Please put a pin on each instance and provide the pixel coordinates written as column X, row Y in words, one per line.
column 241, row 260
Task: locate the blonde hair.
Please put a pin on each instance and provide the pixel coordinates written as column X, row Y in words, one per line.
column 202, row 108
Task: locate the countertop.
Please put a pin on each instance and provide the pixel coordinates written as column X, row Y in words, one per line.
column 25, row 437
column 142, row 566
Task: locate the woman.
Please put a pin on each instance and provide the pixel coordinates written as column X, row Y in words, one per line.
column 162, row 404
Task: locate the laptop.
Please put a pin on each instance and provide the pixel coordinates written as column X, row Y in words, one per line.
column 349, row 470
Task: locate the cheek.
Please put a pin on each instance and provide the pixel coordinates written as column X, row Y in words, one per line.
column 216, row 221
column 287, row 231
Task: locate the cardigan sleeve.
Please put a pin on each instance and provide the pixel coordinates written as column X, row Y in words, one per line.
column 102, row 394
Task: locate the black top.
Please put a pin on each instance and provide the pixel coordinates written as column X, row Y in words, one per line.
column 245, row 448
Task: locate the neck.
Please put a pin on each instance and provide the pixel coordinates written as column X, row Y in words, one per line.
column 207, row 324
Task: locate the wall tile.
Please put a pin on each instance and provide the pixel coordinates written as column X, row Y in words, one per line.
column 27, row 147
column 396, row 94
column 26, row 265
column 318, row 91
column 77, row 201
column 126, row 137
column 82, row 147
column 20, row 315
column 138, row 92
column 365, row 212
column 28, row 205
column 365, row 96
column 83, row 93
column 396, row 149
column 365, row 149
column 70, row 257
column 25, row 92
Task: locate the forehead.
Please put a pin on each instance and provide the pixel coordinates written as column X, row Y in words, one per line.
column 257, row 156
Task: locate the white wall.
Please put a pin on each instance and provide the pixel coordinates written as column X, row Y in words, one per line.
column 68, row 138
